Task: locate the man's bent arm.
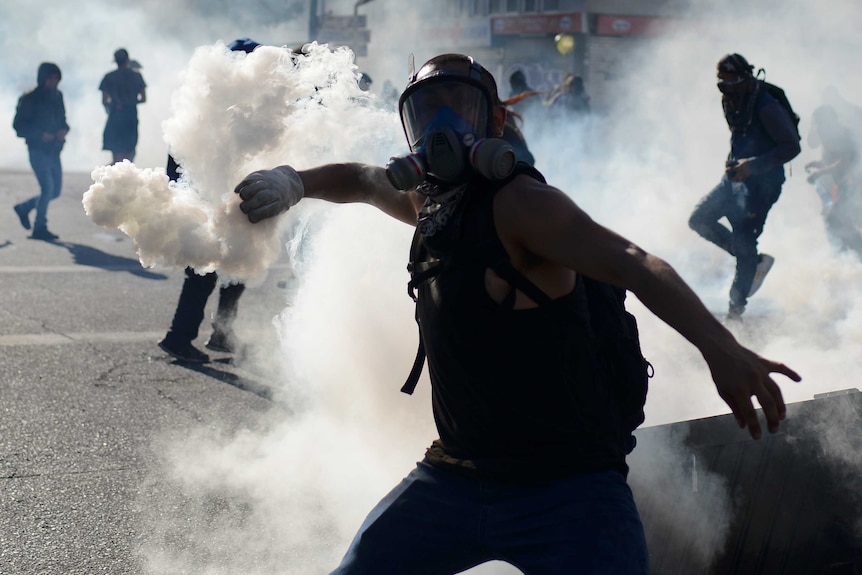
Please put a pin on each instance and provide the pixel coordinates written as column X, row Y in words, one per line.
column 549, row 225
column 778, row 124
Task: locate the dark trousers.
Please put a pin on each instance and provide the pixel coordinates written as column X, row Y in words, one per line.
column 438, row 523
column 49, row 173
column 746, row 210
column 192, row 303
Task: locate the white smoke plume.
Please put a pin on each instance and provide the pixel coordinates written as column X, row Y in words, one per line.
column 234, row 112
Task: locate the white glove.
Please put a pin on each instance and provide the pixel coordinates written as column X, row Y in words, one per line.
column 268, row 193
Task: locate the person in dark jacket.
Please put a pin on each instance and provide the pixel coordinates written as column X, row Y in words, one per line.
column 528, row 467
column 197, row 289
column 122, row 91
column 569, row 100
column 41, row 120
column 763, row 138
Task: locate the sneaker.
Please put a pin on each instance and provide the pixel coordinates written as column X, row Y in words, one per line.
column 221, row 342
column 43, row 234
column 763, row 268
column 23, row 215
column 184, row 352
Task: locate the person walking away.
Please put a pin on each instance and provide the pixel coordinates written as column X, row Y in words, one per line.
column 516, row 291
column 763, row 137
column 122, row 90
column 40, row 119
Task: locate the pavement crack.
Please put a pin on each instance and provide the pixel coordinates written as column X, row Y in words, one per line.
column 68, row 473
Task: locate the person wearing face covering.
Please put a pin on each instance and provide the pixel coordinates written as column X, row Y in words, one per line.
column 40, row 119
column 763, row 138
column 530, row 463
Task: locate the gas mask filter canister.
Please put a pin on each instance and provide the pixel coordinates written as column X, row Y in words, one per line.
column 492, row 158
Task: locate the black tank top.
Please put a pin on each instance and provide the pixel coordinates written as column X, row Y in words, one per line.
column 516, row 394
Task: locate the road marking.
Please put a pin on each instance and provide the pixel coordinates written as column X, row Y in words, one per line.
column 97, row 268
column 67, row 338
column 65, row 269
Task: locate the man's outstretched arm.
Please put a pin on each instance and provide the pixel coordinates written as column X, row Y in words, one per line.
column 268, row 193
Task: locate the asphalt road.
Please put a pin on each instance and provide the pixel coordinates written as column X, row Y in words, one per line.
column 85, row 391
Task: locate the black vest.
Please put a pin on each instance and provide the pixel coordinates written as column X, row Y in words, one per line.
column 517, row 394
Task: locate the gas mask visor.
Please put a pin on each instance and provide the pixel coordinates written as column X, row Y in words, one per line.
column 465, row 107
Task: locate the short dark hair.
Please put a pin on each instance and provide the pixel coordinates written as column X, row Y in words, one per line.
column 121, row 56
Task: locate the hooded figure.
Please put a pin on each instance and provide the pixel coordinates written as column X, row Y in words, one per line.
column 41, row 120
column 45, row 70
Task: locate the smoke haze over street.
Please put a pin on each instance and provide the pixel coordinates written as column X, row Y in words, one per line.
column 289, row 498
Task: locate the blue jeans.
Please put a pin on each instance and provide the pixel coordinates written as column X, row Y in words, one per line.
column 49, row 174
column 438, row 523
column 747, row 216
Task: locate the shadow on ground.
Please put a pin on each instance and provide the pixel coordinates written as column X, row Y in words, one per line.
column 213, row 370
column 89, row 256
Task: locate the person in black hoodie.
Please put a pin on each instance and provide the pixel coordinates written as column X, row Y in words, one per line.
column 40, row 119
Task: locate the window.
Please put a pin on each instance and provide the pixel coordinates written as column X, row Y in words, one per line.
column 531, row 6
column 477, row 8
column 495, row 6
column 512, row 5
column 551, row 5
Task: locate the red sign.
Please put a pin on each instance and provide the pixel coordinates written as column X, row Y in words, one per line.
column 610, row 25
column 536, row 24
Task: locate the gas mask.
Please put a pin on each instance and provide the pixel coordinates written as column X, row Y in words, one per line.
column 445, row 121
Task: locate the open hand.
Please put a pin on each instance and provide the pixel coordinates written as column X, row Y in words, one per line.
column 747, row 376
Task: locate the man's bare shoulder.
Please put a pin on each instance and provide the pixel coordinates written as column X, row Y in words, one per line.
column 525, row 195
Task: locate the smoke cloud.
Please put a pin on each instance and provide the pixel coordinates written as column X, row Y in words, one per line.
column 234, row 113
column 287, row 495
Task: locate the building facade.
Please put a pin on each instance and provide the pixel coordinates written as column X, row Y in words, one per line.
column 545, row 39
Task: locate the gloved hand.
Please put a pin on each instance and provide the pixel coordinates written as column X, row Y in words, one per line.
column 268, row 193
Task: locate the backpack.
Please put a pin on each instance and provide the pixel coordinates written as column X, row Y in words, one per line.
column 614, row 331
column 19, row 123
column 781, row 97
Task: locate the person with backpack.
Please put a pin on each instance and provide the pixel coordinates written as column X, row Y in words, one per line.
column 40, row 119
column 764, row 136
column 537, row 379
